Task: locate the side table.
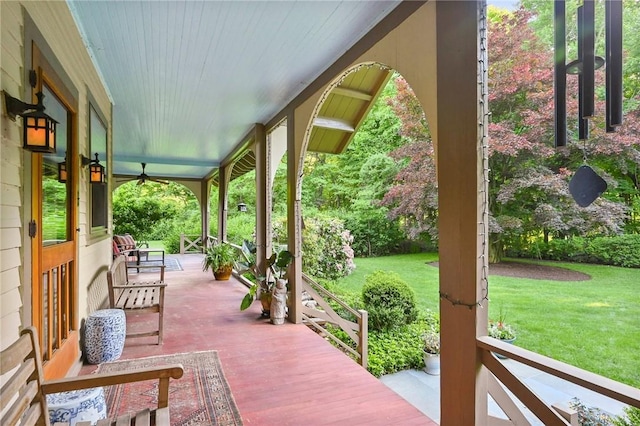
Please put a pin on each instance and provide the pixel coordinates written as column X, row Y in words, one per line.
column 77, row 406
column 104, row 334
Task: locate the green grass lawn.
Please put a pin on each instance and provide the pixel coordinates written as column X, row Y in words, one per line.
column 594, row 324
column 156, row 244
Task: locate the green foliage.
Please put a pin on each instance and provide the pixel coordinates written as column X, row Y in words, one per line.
column 622, row 250
column 156, row 212
column 631, row 417
column 580, row 323
column 399, row 348
column 326, row 245
column 219, row 256
column 275, row 268
column 54, row 209
column 350, row 297
column 389, row 300
column 373, row 233
column 171, row 241
column 240, row 227
column 139, row 209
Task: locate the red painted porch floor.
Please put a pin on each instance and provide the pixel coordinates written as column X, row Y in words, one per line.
column 279, row 375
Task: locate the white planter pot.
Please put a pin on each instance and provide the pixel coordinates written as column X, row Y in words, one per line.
column 432, row 364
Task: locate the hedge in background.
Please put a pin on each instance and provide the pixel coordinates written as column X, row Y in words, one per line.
column 622, row 250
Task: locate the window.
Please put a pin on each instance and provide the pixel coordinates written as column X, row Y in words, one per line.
column 98, row 191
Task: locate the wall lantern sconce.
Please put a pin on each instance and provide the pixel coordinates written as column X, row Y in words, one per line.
column 242, row 207
column 39, row 129
column 62, row 171
column 96, row 170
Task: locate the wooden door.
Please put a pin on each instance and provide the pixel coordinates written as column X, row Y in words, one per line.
column 53, row 232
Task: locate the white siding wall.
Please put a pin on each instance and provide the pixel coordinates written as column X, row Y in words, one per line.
column 11, row 165
column 55, row 23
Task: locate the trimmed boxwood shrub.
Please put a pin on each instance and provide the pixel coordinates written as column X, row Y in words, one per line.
column 389, row 300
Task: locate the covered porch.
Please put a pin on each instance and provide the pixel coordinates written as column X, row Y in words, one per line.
column 280, row 375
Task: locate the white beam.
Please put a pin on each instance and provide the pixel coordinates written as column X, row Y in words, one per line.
column 334, row 124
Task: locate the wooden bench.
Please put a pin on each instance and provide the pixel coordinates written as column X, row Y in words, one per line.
column 136, row 297
column 23, row 395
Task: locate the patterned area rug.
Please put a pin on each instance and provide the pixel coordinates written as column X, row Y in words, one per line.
column 170, row 264
column 200, row 397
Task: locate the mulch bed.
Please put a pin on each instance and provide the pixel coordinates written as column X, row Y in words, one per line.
column 534, row 272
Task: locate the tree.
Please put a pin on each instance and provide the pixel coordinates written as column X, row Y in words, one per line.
column 528, row 190
column 139, row 209
column 413, row 198
column 373, row 233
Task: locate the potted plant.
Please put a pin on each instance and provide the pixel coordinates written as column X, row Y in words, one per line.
column 431, row 349
column 501, row 330
column 220, row 258
column 264, row 280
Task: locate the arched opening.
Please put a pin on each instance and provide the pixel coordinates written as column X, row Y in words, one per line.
column 156, row 213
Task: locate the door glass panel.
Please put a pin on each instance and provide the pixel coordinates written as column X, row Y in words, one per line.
column 55, row 194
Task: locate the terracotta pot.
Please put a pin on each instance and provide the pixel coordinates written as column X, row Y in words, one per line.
column 265, row 300
column 223, row 274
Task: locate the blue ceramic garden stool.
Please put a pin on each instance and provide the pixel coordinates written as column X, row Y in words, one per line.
column 77, row 406
column 104, row 335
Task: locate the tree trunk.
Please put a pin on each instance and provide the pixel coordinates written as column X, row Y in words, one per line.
column 496, row 250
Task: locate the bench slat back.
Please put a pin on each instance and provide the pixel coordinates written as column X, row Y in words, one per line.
column 117, row 275
column 21, row 398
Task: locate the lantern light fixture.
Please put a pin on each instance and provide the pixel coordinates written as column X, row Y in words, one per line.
column 62, row 171
column 242, row 207
column 39, row 129
column 96, row 170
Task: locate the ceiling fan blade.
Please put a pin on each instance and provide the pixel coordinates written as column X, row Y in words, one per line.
column 164, row 182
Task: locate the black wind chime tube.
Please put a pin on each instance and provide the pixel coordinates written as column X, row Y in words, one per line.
column 588, row 58
column 613, row 41
column 560, row 74
column 583, row 123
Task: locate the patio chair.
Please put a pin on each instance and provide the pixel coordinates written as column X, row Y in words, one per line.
column 127, row 245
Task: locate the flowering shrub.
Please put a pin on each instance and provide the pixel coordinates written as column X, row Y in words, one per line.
column 432, row 342
column 326, row 248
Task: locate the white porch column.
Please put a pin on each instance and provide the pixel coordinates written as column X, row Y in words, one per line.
column 463, row 382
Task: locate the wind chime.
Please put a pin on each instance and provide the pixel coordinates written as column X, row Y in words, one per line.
column 585, row 185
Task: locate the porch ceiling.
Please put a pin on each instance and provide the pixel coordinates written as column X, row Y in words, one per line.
column 188, row 79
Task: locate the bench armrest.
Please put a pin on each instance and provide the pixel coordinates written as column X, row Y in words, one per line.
column 162, row 373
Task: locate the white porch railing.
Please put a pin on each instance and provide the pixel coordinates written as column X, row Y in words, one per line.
column 548, row 414
column 190, row 244
column 193, row 243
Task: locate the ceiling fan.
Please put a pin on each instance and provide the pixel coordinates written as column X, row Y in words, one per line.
column 143, row 177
